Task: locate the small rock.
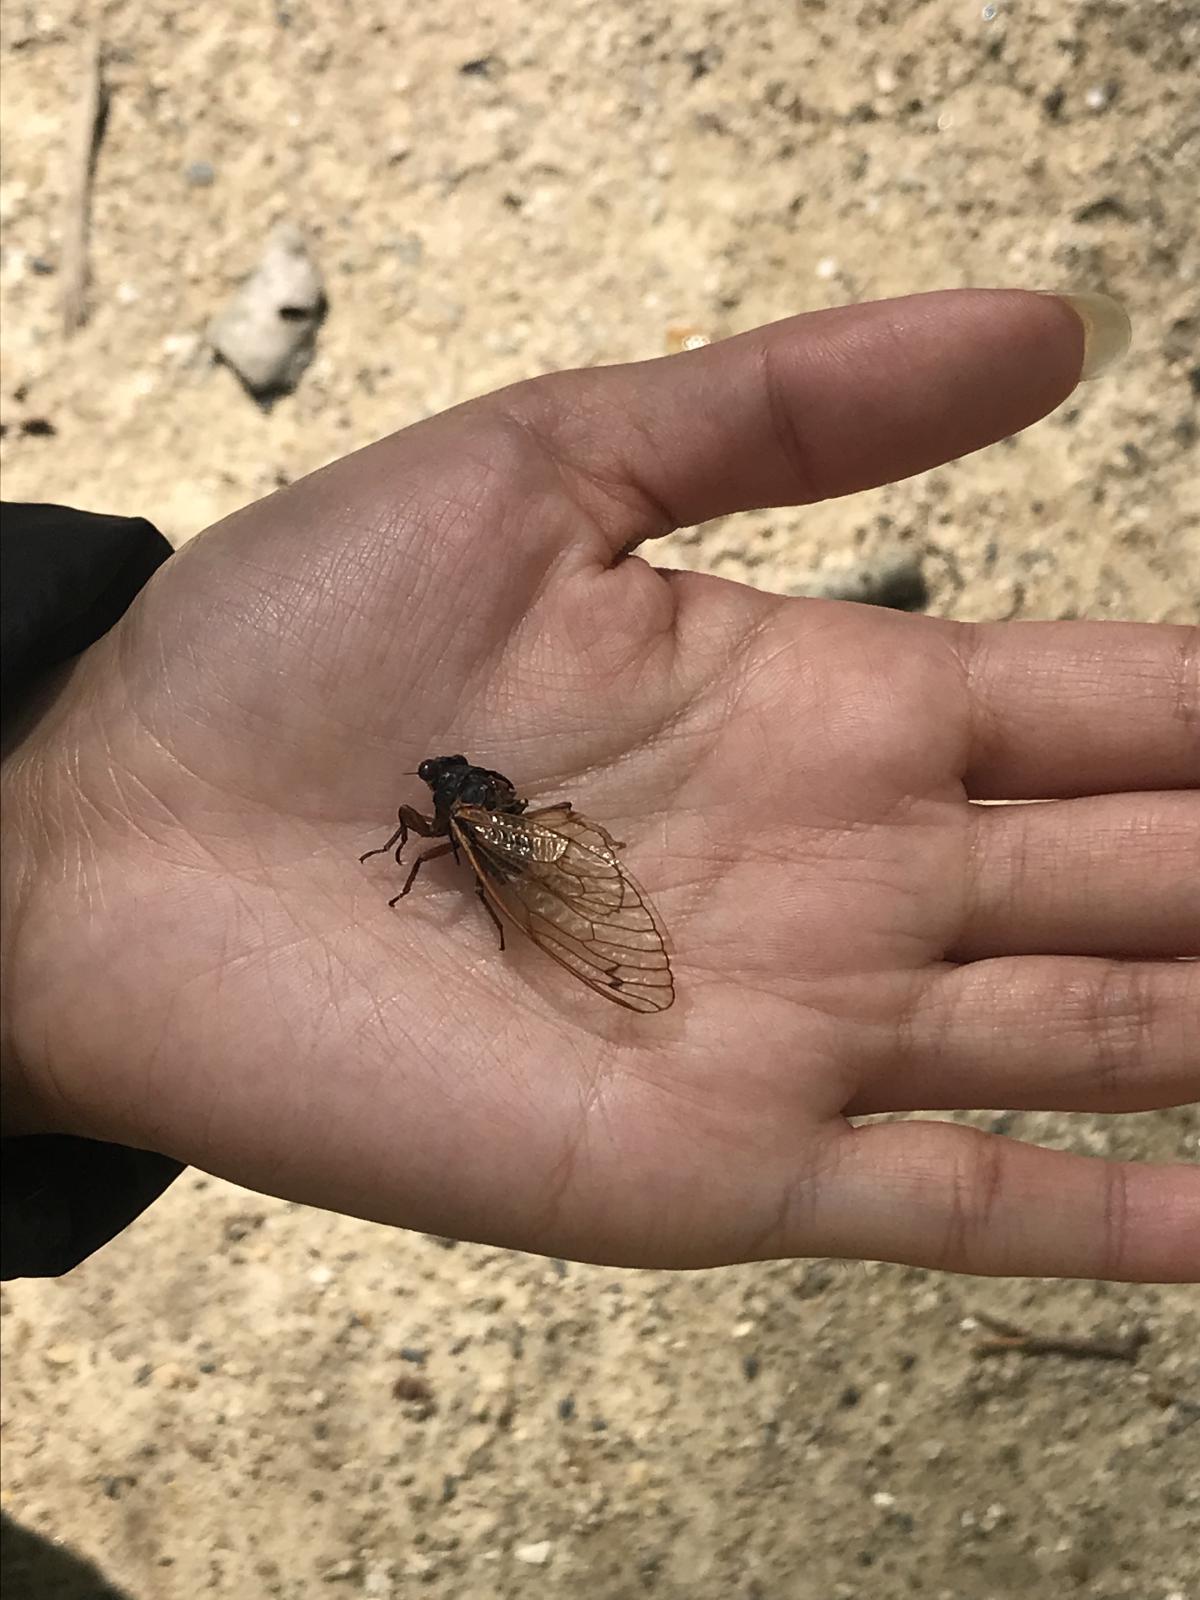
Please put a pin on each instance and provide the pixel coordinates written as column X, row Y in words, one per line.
column 1100, row 96
column 415, row 1392
column 199, row 174
column 1105, row 205
column 61, row 1355
column 267, row 332
column 168, row 1375
column 341, row 1571
column 320, row 1277
column 534, row 1555
column 682, row 336
column 240, row 1227
column 182, row 347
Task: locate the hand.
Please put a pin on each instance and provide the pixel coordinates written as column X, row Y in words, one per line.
column 199, row 964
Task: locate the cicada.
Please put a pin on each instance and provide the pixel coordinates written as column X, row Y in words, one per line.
column 551, row 872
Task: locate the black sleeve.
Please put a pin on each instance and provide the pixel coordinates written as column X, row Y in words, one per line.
column 65, row 578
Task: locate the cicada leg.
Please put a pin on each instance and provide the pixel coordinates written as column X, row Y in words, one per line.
column 429, row 855
column 491, row 911
column 411, row 821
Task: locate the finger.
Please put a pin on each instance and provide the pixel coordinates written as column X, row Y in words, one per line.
column 1073, row 708
column 939, row 1195
column 1051, row 1033
column 818, row 405
column 1104, row 876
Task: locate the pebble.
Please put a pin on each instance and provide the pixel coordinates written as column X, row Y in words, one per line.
column 61, row 1355
column 267, row 331
column 340, row 1571
column 681, row 336
column 199, row 174
column 534, row 1555
column 182, row 347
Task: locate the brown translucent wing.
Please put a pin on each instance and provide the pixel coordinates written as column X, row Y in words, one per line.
column 556, row 876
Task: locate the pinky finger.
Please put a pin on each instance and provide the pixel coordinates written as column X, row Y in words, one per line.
column 935, row 1194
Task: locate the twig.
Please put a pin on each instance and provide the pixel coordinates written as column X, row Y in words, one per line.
column 1008, row 1336
column 77, row 203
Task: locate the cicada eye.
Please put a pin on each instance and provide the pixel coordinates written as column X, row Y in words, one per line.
column 426, row 770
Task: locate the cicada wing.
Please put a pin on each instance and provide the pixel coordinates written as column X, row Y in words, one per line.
column 555, row 875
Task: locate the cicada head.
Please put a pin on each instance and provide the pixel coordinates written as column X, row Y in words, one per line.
column 454, row 781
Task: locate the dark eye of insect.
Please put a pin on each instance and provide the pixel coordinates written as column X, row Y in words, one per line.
column 552, row 873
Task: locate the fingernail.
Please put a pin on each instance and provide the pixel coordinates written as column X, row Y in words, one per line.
column 1106, row 331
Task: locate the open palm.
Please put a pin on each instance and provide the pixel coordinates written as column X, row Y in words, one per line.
column 795, row 781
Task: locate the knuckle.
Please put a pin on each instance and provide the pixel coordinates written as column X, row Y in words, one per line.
column 1114, row 1227
column 978, row 1183
column 1119, row 1018
column 786, row 428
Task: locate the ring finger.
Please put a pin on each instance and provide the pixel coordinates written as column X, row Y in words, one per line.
column 1048, row 1033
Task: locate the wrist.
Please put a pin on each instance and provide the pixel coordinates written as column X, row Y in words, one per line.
column 43, row 854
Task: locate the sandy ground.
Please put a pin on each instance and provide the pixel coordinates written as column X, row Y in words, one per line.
column 245, row 1398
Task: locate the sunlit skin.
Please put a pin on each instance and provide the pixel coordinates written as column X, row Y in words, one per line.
column 195, row 961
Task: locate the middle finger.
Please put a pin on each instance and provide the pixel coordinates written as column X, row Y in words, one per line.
column 1110, row 875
